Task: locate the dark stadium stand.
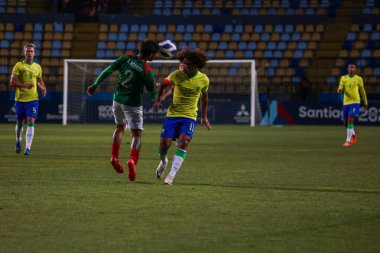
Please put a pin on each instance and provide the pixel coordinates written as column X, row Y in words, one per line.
column 287, row 47
column 292, row 39
column 13, row 6
column 372, row 7
column 52, row 39
column 240, row 7
column 362, row 47
column 53, row 42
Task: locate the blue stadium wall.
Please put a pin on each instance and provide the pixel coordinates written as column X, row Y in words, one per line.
column 222, row 110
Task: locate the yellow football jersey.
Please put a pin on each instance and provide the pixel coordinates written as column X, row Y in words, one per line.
column 27, row 73
column 186, row 94
column 353, row 87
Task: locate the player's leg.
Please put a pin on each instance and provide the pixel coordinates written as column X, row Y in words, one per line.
column 29, row 135
column 116, row 142
column 31, row 116
column 19, row 130
column 354, row 113
column 134, row 117
column 134, row 154
column 168, row 133
column 187, row 129
column 20, row 115
column 117, row 136
column 350, row 128
column 345, row 116
column 179, row 157
column 165, row 144
column 135, row 144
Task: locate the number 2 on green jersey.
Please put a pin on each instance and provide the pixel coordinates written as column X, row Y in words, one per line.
column 128, row 77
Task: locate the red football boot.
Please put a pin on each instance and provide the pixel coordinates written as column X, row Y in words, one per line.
column 131, row 170
column 116, row 165
column 347, row 144
column 354, row 138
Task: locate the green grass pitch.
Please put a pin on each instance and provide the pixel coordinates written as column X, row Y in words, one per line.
column 240, row 189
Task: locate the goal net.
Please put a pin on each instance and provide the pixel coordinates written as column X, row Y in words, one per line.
column 233, row 94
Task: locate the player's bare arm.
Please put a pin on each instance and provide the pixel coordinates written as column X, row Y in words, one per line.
column 162, row 87
column 16, row 84
column 167, row 93
column 363, row 94
column 42, row 86
column 204, row 105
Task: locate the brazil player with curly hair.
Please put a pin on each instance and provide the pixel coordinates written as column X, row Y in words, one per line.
column 189, row 85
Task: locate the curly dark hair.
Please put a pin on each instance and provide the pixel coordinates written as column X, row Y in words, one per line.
column 197, row 57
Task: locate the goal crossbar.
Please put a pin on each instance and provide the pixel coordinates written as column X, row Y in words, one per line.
column 253, row 90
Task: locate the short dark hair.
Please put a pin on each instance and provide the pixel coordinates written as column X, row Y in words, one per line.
column 148, row 47
column 197, row 57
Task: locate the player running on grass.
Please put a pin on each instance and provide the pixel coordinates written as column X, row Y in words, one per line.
column 26, row 76
column 189, row 84
column 351, row 85
column 135, row 74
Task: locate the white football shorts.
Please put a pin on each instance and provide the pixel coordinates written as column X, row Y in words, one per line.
column 132, row 116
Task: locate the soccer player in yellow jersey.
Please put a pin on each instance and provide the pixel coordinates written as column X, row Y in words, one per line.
column 26, row 76
column 189, row 85
column 352, row 86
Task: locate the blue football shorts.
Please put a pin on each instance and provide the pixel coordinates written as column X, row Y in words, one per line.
column 174, row 126
column 26, row 109
column 350, row 110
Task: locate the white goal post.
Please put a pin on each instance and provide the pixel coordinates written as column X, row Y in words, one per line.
column 233, row 92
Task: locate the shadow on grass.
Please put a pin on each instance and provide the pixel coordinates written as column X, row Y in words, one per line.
column 282, row 188
column 142, row 182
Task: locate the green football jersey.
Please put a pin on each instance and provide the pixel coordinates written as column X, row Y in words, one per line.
column 134, row 75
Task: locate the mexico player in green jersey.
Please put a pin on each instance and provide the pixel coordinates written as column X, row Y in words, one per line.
column 352, row 86
column 189, row 85
column 134, row 75
column 26, row 76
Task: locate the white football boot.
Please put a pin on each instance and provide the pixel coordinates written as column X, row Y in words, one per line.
column 161, row 168
column 169, row 180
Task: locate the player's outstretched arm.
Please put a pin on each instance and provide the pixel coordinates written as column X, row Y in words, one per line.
column 105, row 73
column 204, row 105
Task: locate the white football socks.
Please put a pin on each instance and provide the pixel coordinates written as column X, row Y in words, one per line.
column 29, row 136
column 349, row 135
column 177, row 162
